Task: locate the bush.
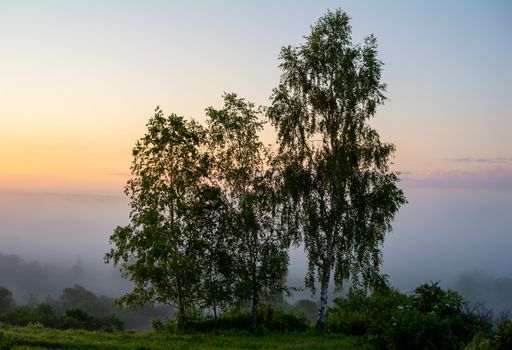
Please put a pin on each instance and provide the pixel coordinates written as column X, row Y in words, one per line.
column 358, row 312
column 92, row 323
column 427, row 318
column 6, row 342
column 6, row 300
column 44, row 315
column 411, row 329
column 269, row 319
column 503, row 337
column 479, row 342
column 433, row 319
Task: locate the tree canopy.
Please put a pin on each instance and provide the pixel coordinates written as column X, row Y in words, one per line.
column 258, row 248
column 335, row 168
column 203, row 232
column 214, row 211
column 6, row 300
column 159, row 251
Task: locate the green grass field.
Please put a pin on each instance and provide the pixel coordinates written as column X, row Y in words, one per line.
column 43, row 338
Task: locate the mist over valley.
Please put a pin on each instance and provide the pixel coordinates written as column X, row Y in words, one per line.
column 459, row 237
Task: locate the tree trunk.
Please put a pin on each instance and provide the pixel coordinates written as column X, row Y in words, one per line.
column 324, row 288
column 182, row 312
column 254, row 312
column 182, row 319
column 322, row 310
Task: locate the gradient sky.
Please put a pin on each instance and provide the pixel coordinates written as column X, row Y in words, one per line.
column 79, row 80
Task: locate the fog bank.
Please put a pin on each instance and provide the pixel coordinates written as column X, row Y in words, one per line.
column 443, row 234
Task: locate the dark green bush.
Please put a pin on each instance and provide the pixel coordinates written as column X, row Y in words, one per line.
column 499, row 339
column 92, row 323
column 6, row 300
column 433, row 319
column 74, row 318
column 503, row 337
column 358, row 311
column 23, row 315
column 427, row 318
column 6, row 342
column 66, row 322
column 269, row 319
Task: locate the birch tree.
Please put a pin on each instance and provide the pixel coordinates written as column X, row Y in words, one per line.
column 341, row 194
column 239, row 168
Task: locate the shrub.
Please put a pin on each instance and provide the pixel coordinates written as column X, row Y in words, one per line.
column 408, row 328
column 6, row 342
column 503, row 337
column 479, row 342
column 500, row 339
column 357, row 313
column 92, row 323
column 432, row 318
column 427, row 318
column 45, row 316
column 6, row 300
column 269, row 319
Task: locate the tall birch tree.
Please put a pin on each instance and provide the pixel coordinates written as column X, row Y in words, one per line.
column 341, row 193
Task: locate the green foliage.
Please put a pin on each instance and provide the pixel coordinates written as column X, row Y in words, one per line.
column 158, row 251
column 45, row 316
column 214, row 212
column 203, row 233
column 6, row 342
column 338, row 189
column 427, row 318
column 211, row 214
column 257, row 247
column 357, row 312
column 499, row 339
column 6, row 300
column 80, row 298
column 479, row 342
column 269, row 319
column 23, row 315
column 77, row 297
column 503, row 337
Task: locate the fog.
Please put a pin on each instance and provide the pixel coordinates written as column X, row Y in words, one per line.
column 444, row 232
column 461, row 237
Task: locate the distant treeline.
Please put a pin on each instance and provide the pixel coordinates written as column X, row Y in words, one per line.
column 25, row 277
column 78, row 307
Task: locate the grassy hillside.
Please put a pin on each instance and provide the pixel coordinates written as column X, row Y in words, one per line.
column 43, row 338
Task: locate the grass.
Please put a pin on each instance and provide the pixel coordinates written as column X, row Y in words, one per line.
column 43, row 338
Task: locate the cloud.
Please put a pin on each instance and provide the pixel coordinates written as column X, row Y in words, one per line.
column 499, row 178
column 487, row 160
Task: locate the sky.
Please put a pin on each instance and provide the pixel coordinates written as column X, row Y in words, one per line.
column 80, row 79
